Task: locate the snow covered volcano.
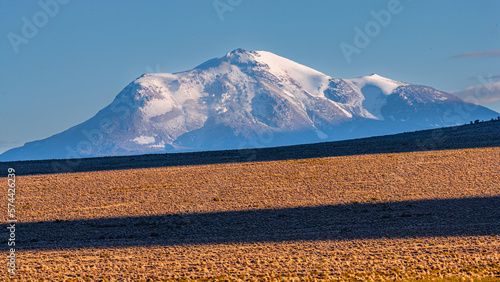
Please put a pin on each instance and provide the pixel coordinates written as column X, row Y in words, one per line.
column 249, row 99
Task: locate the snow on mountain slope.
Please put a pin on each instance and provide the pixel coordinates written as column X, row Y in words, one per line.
column 313, row 81
column 386, row 85
column 244, row 100
column 375, row 89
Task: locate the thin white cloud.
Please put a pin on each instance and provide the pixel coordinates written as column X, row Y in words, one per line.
column 479, row 54
column 482, row 93
column 490, row 77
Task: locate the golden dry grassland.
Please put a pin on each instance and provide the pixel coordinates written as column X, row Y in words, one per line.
column 364, row 182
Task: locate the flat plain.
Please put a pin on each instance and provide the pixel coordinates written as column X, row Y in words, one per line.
column 391, row 216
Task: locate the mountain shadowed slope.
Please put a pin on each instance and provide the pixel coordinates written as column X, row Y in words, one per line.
column 245, row 100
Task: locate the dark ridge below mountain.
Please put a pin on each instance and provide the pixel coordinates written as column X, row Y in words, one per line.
column 483, row 134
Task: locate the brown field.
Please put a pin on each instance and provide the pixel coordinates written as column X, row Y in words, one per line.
column 404, row 216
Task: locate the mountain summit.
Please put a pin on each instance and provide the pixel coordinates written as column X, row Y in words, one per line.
column 249, row 99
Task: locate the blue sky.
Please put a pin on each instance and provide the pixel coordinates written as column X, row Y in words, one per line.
column 78, row 55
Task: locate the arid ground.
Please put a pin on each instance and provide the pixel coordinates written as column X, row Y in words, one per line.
column 409, row 215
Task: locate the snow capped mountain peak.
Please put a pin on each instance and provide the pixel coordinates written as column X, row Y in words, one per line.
column 246, row 99
column 374, row 89
column 240, row 56
column 282, row 69
column 386, row 85
column 237, row 52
